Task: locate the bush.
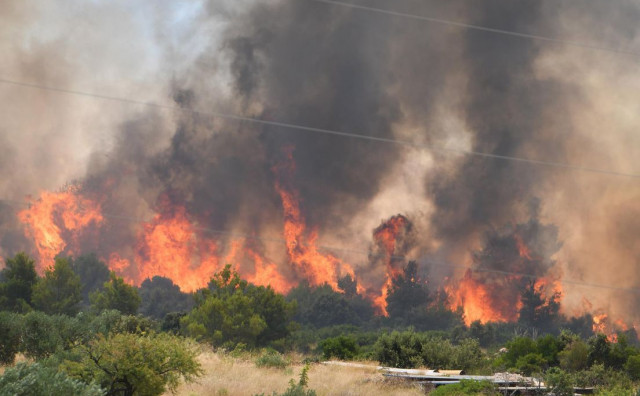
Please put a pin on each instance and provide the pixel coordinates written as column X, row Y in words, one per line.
column 341, row 347
column 530, row 363
column 135, row 364
column 632, row 367
column 37, row 380
column 559, row 381
column 467, row 387
column 10, row 331
column 400, row 349
column 40, row 337
column 272, row 359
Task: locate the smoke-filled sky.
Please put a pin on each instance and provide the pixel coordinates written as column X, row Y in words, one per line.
column 326, row 66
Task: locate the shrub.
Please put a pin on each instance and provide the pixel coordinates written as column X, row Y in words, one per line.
column 400, row 349
column 559, row 381
column 341, row 347
column 530, row 363
column 272, row 359
column 10, row 330
column 40, row 337
column 633, row 367
column 135, row 364
column 37, row 380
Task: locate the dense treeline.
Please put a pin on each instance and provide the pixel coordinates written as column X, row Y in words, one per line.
column 86, row 330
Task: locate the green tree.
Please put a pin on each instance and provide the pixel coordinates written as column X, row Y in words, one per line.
column 38, row 380
column 537, row 310
column 10, row 336
column 116, row 294
column 59, row 291
column 160, row 296
column 559, row 382
column 17, row 280
column 408, row 293
column 233, row 311
column 43, row 335
column 131, row 364
column 517, row 348
column 574, row 357
column 632, row 367
column 93, row 274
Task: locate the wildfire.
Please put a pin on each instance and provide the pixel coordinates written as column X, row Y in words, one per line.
column 388, row 250
column 316, row 267
column 169, row 246
column 478, row 301
column 55, row 220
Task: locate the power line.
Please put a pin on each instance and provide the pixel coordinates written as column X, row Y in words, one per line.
column 406, row 143
column 332, row 249
column 478, row 27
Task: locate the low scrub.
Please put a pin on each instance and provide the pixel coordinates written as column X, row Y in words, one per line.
column 272, row 359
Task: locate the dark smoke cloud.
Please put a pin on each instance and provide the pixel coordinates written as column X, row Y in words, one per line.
column 325, row 66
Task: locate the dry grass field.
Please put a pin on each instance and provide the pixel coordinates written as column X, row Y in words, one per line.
column 227, row 375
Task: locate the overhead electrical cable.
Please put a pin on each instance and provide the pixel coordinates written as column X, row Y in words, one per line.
column 285, row 125
column 477, row 27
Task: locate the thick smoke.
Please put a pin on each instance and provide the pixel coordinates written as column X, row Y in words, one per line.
column 325, row 66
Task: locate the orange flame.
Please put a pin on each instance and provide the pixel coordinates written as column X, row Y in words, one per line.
column 386, row 240
column 316, row 267
column 477, row 301
column 55, row 218
column 169, row 246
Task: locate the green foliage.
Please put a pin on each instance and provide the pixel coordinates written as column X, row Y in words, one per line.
column 38, row 380
column 617, row 391
column 161, row 296
column 530, row 363
column 575, row 356
column 409, row 349
column 112, row 321
column 408, row 293
column 538, row 311
column 58, row 292
column 341, row 347
column 322, row 306
column 93, row 274
column 17, row 280
column 517, row 348
column 232, row 311
column 467, row 387
column 116, row 294
column 559, row 381
column 40, row 338
column 400, row 349
column 632, row 367
column 272, row 359
column 10, row 336
column 132, row 364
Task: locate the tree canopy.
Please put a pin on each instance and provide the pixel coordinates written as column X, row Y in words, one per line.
column 59, row 291
column 116, row 294
column 17, row 280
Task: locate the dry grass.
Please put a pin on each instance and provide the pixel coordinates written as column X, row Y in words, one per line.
column 227, row 375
